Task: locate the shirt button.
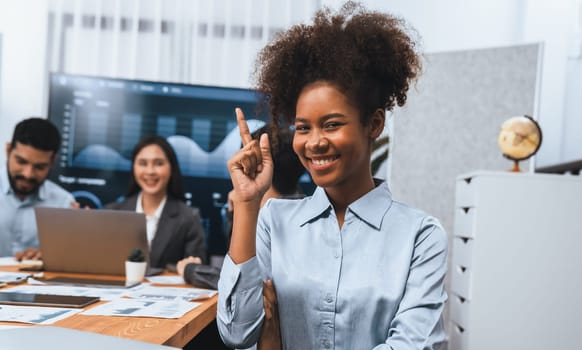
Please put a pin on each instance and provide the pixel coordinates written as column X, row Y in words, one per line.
column 326, row 344
column 328, row 299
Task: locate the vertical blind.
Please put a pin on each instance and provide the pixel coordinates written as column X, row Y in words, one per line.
column 185, row 41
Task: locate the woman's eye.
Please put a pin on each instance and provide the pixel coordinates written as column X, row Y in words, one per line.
column 301, row 128
column 332, row 125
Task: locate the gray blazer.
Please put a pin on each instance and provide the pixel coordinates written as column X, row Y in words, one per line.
column 180, row 233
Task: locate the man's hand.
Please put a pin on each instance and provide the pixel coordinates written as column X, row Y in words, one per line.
column 28, row 254
column 271, row 332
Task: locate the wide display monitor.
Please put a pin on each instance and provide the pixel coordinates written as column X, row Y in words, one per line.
column 102, row 119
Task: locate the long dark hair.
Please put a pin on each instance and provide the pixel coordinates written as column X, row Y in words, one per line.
column 174, row 188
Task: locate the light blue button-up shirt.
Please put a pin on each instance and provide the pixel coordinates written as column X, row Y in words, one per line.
column 17, row 221
column 378, row 283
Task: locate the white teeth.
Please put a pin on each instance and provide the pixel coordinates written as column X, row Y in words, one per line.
column 322, row 161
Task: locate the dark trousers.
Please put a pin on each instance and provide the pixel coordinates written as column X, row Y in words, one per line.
column 207, row 339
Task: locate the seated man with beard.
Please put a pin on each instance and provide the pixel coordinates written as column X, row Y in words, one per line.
column 24, row 186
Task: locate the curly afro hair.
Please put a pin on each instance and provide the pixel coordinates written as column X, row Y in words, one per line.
column 370, row 56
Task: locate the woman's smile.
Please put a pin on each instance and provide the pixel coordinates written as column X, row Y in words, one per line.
column 331, row 141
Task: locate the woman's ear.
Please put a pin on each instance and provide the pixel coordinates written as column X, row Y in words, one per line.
column 376, row 123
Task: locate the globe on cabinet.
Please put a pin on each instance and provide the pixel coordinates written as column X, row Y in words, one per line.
column 520, row 138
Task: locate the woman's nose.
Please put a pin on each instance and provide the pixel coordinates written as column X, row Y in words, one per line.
column 317, row 141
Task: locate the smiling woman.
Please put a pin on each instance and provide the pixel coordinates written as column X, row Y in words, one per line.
column 174, row 230
column 348, row 267
column 332, row 143
column 152, row 170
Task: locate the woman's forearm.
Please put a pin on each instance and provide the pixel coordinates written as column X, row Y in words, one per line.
column 244, row 228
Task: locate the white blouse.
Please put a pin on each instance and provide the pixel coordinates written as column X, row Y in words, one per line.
column 151, row 221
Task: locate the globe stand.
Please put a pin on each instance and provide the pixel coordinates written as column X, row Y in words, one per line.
column 515, row 168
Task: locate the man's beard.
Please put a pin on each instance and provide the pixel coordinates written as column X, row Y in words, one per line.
column 35, row 184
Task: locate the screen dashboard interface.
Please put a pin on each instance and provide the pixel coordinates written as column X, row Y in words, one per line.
column 102, row 119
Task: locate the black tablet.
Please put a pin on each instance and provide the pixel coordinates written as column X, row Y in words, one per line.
column 14, row 298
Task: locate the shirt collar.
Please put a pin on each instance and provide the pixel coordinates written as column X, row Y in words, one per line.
column 41, row 193
column 371, row 207
column 157, row 213
column 317, row 205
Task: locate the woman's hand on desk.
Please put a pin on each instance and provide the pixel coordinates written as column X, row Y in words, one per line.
column 28, row 254
column 181, row 265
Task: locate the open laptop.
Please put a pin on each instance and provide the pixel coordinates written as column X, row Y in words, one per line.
column 89, row 241
column 45, row 337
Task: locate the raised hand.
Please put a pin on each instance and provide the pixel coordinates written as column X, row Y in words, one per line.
column 251, row 168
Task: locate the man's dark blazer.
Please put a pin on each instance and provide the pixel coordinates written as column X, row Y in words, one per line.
column 180, row 233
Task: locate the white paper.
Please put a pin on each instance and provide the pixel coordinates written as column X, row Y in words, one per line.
column 166, row 279
column 13, row 277
column 8, row 261
column 142, row 308
column 34, row 314
column 171, row 293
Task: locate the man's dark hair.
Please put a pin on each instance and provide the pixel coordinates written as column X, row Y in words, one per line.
column 38, row 133
column 175, row 188
column 287, row 169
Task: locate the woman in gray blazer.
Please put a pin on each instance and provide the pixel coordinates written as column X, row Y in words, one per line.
column 155, row 188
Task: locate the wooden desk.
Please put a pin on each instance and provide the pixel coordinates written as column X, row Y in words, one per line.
column 172, row 332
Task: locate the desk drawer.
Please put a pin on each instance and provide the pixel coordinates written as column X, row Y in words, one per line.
column 459, row 308
column 465, row 222
column 463, row 251
column 459, row 339
column 464, row 194
column 461, row 281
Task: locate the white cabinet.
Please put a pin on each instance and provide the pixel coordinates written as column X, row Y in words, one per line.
column 516, row 269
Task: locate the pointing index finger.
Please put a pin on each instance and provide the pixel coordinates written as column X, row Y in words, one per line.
column 245, row 134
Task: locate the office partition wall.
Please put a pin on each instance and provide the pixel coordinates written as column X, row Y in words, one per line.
column 452, row 119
